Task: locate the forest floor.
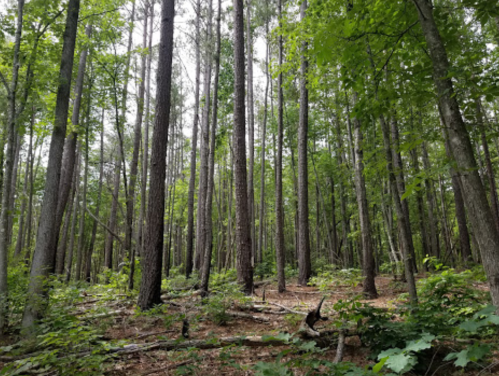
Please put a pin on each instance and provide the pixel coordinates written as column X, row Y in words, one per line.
column 123, row 326
column 239, row 360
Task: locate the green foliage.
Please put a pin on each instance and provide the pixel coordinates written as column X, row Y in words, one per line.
column 327, row 280
column 402, row 360
column 470, row 354
column 445, row 300
column 62, row 342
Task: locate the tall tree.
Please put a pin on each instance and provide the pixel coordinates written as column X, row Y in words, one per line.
column 192, row 178
column 243, row 230
column 208, row 246
column 304, row 263
column 150, row 288
column 44, row 255
column 251, row 128
column 462, row 151
column 9, row 167
column 279, row 209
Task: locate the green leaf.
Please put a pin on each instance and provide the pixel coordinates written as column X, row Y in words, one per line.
column 401, row 363
column 377, row 368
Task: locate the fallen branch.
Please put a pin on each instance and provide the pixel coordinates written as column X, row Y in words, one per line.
column 288, row 309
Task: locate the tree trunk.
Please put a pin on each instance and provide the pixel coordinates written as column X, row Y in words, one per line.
column 69, row 154
column 368, row 265
column 488, row 163
column 243, row 231
column 204, row 149
column 464, row 236
column 90, row 250
column 420, row 206
column 9, row 167
column 304, row 263
column 279, row 205
column 150, row 289
column 145, row 155
column 29, row 158
column 134, row 166
column 399, row 176
column 259, row 255
column 401, row 218
column 251, row 130
column 430, row 197
column 74, row 222
column 192, row 178
column 208, row 246
column 474, row 192
column 44, row 255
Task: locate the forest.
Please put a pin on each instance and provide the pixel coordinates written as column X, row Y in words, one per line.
column 249, row 187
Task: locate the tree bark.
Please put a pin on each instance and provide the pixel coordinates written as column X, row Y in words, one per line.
column 204, row 149
column 9, row 167
column 145, row 155
column 279, row 205
column 150, row 289
column 69, row 154
column 368, row 265
column 208, row 246
column 304, row 263
column 44, row 255
column 29, row 158
column 251, row 130
column 400, row 178
column 192, row 178
column 462, row 151
column 243, row 230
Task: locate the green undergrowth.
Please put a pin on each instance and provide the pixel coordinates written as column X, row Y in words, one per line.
column 453, row 325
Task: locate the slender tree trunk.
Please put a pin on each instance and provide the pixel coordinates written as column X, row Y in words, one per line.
column 204, row 149
column 90, row 250
column 192, row 179
column 400, row 178
column 74, row 222
column 150, row 289
column 474, row 192
column 464, row 236
column 62, row 244
column 29, row 158
column 29, row 218
column 205, row 275
column 251, row 130
column 262, row 157
column 243, row 231
column 304, row 263
column 9, row 167
column 430, row 196
column 145, row 155
column 445, row 222
column 367, row 261
column 488, row 164
column 81, row 233
column 401, row 218
column 44, row 255
column 420, row 206
column 279, row 205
